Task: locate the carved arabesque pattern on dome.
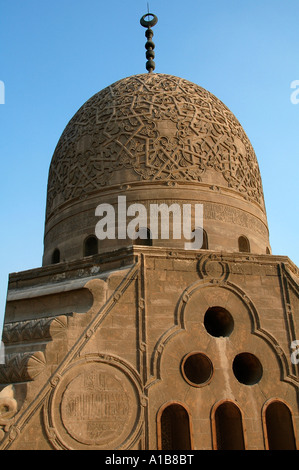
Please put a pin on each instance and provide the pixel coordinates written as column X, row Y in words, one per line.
column 160, row 127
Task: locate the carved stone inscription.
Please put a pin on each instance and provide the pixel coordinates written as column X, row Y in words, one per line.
column 95, row 407
column 234, row 216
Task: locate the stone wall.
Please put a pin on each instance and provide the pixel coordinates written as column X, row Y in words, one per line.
column 144, row 339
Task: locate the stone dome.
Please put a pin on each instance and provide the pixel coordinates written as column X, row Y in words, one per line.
column 154, row 137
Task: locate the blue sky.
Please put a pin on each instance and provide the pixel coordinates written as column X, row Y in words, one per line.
column 54, row 55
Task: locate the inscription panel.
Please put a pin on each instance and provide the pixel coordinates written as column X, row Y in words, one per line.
column 234, row 216
column 96, row 406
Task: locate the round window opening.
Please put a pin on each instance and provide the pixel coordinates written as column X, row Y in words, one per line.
column 218, row 322
column 247, row 368
column 197, row 369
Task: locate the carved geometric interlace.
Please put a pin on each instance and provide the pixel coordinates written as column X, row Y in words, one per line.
column 161, row 128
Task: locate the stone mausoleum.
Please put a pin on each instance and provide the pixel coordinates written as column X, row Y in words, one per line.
column 143, row 344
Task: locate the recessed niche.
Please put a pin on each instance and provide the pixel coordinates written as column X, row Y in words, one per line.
column 218, row 322
column 247, row 368
column 197, row 369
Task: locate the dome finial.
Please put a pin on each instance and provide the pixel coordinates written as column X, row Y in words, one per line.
column 149, row 45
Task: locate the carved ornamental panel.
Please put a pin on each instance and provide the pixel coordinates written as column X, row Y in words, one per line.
column 157, row 127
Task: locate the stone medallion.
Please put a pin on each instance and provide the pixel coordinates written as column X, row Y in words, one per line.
column 94, row 406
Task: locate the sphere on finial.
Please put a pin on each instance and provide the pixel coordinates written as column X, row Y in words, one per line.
column 149, row 45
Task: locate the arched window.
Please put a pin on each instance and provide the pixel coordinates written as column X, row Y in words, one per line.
column 244, row 246
column 90, row 246
column 174, row 428
column 145, row 237
column 56, row 256
column 227, row 427
column 267, row 251
column 279, row 428
column 205, row 243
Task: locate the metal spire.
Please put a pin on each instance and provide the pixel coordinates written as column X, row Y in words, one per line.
column 149, row 45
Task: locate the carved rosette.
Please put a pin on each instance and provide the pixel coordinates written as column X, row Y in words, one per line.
column 159, row 128
column 95, row 404
column 22, row 367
